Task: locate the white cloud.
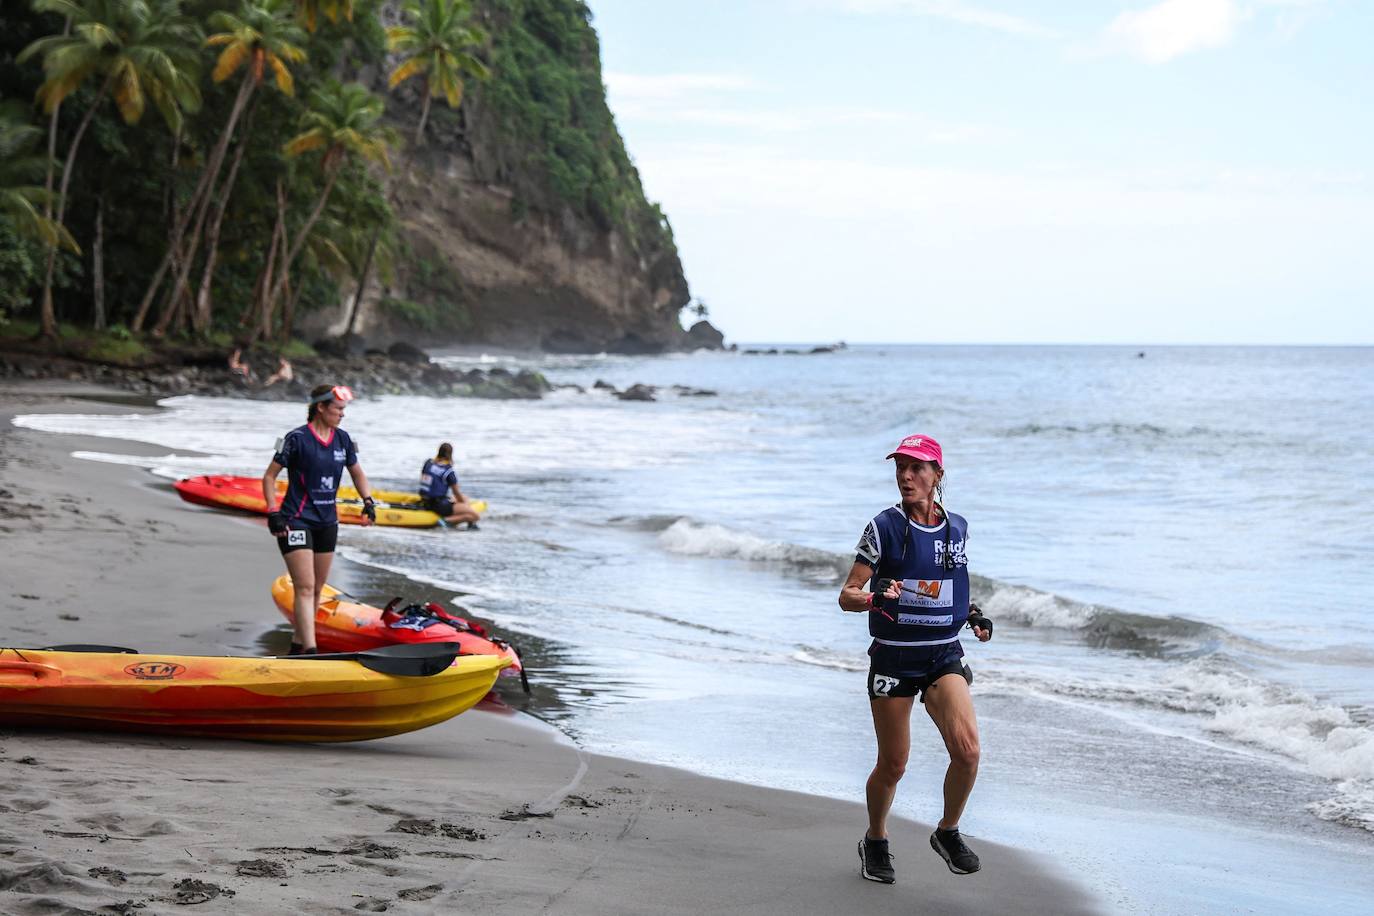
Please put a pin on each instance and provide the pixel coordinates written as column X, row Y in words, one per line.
column 1175, row 27
column 665, row 87
column 714, row 100
column 955, row 11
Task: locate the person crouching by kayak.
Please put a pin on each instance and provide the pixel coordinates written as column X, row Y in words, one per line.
column 437, row 480
column 306, row 524
column 914, row 553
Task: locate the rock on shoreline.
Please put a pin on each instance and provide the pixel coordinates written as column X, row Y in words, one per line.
column 368, row 376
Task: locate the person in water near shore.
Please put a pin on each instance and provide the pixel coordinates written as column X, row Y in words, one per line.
column 914, row 554
column 306, row 524
column 437, row 480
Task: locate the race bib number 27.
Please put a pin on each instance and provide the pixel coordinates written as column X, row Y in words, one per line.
column 882, row 684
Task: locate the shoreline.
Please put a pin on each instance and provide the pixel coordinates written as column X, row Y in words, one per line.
column 489, row 812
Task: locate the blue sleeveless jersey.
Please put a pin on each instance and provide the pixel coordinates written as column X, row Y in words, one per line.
column 314, row 468
column 919, row 631
column 436, row 478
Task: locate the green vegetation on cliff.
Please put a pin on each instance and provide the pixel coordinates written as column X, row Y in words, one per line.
column 550, row 103
column 237, row 204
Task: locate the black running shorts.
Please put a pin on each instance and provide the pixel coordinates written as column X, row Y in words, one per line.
column 882, row 685
column 316, row 540
column 441, row 506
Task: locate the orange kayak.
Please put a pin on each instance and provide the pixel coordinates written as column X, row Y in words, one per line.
column 320, row 698
column 223, row 491
column 346, row 625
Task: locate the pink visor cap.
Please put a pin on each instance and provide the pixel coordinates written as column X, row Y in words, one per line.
column 922, row 448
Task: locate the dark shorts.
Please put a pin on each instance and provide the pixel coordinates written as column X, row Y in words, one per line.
column 891, row 685
column 441, row 506
column 316, row 540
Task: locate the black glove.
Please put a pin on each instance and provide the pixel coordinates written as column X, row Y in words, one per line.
column 977, row 619
column 276, row 523
column 880, row 588
column 370, row 509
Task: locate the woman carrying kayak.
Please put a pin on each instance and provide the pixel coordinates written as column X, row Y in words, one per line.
column 437, row 479
column 306, row 524
column 914, row 554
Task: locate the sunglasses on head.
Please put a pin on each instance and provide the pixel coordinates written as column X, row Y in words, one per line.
column 341, row 393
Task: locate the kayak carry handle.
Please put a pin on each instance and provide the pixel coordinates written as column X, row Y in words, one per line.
column 24, row 671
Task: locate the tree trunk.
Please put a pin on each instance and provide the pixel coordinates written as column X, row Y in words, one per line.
column 362, row 280
column 200, row 317
column 98, row 265
column 278, row 246
column 296, row 246
column 289, row 310
column 203, row 188
column 424, row 116
column 47, row 318
column 49, row 328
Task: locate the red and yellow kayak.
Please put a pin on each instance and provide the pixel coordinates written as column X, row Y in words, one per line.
column 245, row 493
column 343, row 625
column 265, row 699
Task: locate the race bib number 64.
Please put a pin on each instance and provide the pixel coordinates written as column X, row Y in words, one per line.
column 295, row 538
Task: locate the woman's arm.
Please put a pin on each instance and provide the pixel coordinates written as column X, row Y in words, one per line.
column 360, row 483
column 269, row 485
column 854, row 594
column 458, row 496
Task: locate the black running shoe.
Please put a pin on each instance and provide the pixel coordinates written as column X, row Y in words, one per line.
column 956, row 854
column 875, row 862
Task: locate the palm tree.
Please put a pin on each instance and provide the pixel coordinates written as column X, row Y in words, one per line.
column 309, row 11
column 139, row 50
column 261, row 40
column 21, row 167
column 343, row 122
column 435, row 45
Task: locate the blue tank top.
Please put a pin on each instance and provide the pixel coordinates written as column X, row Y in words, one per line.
column 314, row 468
column 924, row 623
column 436, row 478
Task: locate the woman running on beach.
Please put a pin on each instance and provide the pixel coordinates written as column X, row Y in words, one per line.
column 437, row 479
column 306, row 524
column 914, row 555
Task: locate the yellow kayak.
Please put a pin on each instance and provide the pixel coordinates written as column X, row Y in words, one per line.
column 399, row 498
column 301, row 698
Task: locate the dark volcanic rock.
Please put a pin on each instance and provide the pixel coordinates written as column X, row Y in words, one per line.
column 404, row 352
column 637, row 392
column 704, row 336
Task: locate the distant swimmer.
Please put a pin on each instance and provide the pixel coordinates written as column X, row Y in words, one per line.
column 437, row 480
column 914, row 553
column 306, row 524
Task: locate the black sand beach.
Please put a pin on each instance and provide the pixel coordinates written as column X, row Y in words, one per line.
column 488, row 812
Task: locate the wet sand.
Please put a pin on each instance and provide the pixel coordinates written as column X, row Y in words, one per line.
column 488, row 812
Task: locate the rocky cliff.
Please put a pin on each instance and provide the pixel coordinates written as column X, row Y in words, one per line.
column 522, row 219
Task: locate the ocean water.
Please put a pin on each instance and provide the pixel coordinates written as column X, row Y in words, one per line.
column 1177, row 549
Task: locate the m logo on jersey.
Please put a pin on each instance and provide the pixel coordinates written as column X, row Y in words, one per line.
column 327, row 483
column 927, row 593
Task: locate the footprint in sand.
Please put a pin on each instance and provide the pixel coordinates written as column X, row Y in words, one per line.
column 421, row 893
column 370, row 850
column 109, row 875
column 371, row 905
column 189, row 891
column 260, row 868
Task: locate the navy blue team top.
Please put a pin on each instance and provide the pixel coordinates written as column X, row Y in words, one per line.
column 314, row 468
column 436, row 478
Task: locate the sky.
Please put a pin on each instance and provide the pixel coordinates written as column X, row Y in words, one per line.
column 1009, row 171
